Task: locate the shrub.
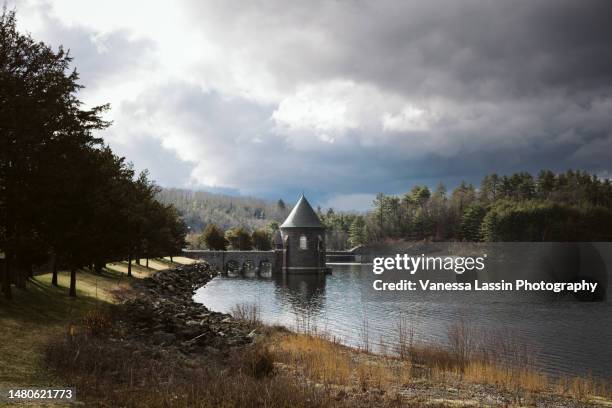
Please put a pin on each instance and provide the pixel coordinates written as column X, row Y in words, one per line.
column 96, row 322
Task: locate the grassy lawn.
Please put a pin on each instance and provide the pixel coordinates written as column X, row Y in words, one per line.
column 42, row 311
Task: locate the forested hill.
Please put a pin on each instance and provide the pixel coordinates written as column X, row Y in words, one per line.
column 200, row 208
column 569, row 206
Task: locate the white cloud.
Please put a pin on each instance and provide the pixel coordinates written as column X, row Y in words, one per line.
column 318, row 109
column 411, row 118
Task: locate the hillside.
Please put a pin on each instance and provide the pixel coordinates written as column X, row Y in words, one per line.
column 199, row 208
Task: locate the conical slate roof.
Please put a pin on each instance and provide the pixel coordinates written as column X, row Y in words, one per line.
column 302, row 215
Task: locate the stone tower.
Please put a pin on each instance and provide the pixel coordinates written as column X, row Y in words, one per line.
column 303, row 237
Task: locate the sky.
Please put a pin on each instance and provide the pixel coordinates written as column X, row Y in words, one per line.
column 341, row 99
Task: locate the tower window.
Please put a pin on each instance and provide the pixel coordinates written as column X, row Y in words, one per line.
column 303, row 242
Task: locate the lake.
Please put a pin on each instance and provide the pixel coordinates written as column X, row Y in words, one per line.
column 566, row 337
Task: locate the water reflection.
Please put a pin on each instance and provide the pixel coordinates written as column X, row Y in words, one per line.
column 302, row 290
column 304, row 294
column 568, row 337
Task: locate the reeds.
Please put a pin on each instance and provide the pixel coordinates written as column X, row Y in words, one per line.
column 249, row 313
column 461, row 341
column 471, row 354
column 330, row 364
column 582, row 387
column 405, row 337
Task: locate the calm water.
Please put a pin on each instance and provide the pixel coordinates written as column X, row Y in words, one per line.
column 567, row 337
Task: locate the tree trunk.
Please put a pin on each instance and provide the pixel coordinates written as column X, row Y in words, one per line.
column 147, row 263
column 72, row 292
column 171, row 259
column 6, row 279
column 138, row 260
column 20, row 281
column 130, row 264
column 54, row 276
column 98, row 266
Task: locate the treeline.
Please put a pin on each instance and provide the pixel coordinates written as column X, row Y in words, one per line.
column 338, row 229
column 570, row 206
column 200, row 209
column 65, row 198
column 237, row 238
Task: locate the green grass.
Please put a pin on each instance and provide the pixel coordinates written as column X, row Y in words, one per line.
column 43, row 311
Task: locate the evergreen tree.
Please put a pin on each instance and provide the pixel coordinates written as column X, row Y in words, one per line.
column 64, row 196
column 357, row 234
column 239, row 238
column 213, row 238
column 261, row 240
column 471, row 223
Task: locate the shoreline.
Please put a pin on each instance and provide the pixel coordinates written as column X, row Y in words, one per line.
column 157, row 344
column 165, row 301
column 183, row 283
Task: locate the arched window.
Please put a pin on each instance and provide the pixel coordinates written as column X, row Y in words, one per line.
column 303, row 242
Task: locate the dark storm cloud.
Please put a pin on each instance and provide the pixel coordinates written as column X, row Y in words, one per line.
column 492, row 49
column 485, row 49
column 336, row 98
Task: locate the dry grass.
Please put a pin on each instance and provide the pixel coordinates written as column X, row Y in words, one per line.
column 146, row 376
column 321, row 361
column 461, row 342
column 530, row 380
column 249, row 313
column 583, row 388
column 331, row 364
column 471, row 357
column 432, row 355
column 405, row 337
column 508, row 378
column 364, row 332
column 325, row 362
column 500, row 359
column 96, row 322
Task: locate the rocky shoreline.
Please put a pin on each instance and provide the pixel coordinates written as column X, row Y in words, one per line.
column 162, row 312
column 160, row 325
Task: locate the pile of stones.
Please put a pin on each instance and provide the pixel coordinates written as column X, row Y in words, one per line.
column 163, row 313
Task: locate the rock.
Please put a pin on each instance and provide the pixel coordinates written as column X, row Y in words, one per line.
column 164, row 312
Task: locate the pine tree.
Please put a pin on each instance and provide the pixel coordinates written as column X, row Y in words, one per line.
column 357, row 233
column 213, row 238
